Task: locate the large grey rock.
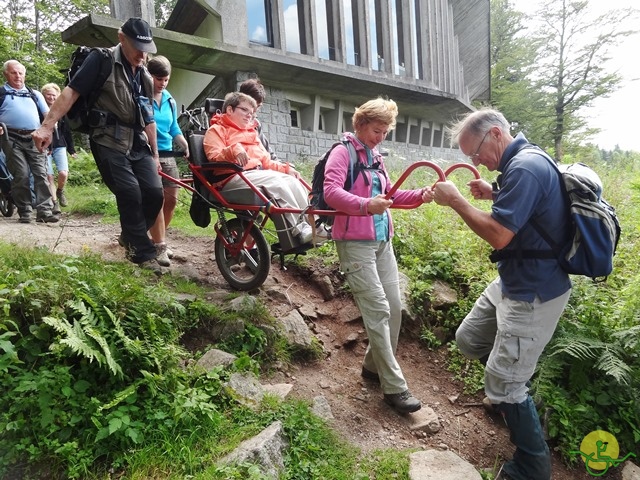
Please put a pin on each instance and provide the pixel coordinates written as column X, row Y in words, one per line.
column 407, row 313
column 296, row 330
column 630, row 471
column 440, row 465
column 241, row 303
column 245, row 389
column 264, row 450
column 322, row 408
column 280, row 390
column 443, row 296
column 214, row 358
column 425, row 420
column 221, row 331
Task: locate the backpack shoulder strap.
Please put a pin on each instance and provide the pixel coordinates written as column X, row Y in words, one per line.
column 353, row 159
column 174, row 109
column 519, row 253
column 35, row 100
column 534, row 223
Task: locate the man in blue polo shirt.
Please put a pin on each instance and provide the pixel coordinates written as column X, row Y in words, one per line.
column 22, row 110
column 515, row 317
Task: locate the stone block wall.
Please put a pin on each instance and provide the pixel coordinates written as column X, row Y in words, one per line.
column 295, row 145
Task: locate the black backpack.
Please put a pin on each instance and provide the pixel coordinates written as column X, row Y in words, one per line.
column 316, row 197
column 78, row 115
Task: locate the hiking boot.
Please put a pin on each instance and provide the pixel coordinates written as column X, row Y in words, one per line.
column 403, row 402
column 162, row 258
column 369, row 375
column 488, row 406
column 61, row 197
column 153, row 266
column 169, row 253
column 502, row 475
column 47, row 218
column 56, row 209
column 25, row 218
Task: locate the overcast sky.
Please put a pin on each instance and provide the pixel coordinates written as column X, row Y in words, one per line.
column 617, row 116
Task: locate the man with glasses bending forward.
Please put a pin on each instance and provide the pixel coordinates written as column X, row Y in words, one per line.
column 516, row 315
column 123, row 134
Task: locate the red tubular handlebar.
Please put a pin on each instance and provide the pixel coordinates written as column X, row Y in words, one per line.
column 423, row 163
column 468, row 166
column 442, row 176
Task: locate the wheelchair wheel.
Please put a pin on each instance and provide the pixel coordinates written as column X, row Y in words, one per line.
column 6, row 205
column 249, row 268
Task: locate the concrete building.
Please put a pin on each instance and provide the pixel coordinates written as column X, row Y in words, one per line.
column 319, row 59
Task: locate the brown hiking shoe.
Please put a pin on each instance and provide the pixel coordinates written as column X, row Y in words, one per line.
column 62, row 198
column 369, row 375
column 488, row 406
column 163, row 256
column 152, row 265
column 403, row 402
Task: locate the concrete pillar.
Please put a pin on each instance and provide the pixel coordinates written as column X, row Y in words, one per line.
column 125, row 9
column 333, row 119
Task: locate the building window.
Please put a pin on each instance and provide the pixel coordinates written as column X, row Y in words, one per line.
column 351, row 31
column 416, row 30
column 397, row 36
column 325, row 31
column 294, row 118
column 259, row 22
column 292, row 26
column 377, row 53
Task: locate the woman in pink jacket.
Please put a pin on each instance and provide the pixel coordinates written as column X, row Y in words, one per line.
column 232, row 137
column 363, row 242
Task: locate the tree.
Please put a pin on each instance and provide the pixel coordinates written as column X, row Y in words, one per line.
column 32, row 31
column 512, row 61
column 571, row 65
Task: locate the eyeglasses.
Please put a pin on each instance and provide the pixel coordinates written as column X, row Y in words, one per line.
column 246, row 111
column 475, row 155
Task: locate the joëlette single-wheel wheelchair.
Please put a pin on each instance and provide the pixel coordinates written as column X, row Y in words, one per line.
column 241, row 250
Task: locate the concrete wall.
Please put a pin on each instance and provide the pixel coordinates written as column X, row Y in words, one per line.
column 295, row 144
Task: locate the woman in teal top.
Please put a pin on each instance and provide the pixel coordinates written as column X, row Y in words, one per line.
column 166, row 116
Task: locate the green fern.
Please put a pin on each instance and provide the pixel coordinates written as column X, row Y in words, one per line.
column 580, row 348
column 612, row 362
column 75, row 339
column 82, row 337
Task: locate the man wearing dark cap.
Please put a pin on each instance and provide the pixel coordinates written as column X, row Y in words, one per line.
column 123, row 134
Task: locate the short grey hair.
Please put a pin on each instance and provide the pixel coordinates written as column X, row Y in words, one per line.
column 478, row 123
column 5, row 65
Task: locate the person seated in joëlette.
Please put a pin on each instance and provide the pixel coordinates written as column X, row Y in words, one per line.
column 232, row 137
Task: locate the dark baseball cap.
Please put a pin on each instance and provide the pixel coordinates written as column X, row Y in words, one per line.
column 140, row 34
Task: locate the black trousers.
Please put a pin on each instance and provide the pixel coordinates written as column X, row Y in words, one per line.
column 134, row 180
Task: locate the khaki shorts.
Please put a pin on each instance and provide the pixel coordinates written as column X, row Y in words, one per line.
column 170, row 167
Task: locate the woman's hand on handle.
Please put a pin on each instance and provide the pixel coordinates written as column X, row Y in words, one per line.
column 378, row 204
column 427, row 194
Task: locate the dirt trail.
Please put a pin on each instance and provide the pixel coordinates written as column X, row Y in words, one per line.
column 360, row 414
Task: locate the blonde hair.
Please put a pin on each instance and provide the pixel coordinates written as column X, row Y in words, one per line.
column 50, row 86
column 380, row 109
